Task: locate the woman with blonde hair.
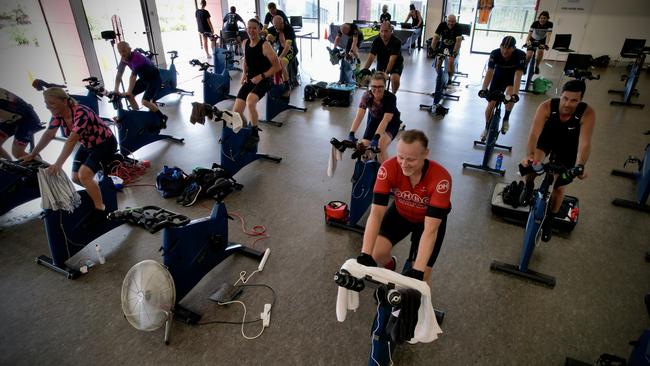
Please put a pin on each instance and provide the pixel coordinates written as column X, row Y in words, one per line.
column 98, row 144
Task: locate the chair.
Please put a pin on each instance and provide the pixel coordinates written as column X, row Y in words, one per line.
column 296, row 22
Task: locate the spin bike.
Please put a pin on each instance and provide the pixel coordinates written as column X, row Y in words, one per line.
column 530, row 68
column 191, row 251
column 390, row 290
column 234, row 135
column 363, row 182
column 631, row 79
column 216, row 83
column 348, row 65
column 135, row 128
column 18, row 183
column 642, row 177
column 67, row 234
column 227, row 51
column 168, row 76
column 441, row 64
column 536, row 217
column 493, row 134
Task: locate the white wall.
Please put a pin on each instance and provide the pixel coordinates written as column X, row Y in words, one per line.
column 605, row 27
column 349, row 11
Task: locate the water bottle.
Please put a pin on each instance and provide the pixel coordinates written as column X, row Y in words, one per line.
column 100, row 255
column 497, row 166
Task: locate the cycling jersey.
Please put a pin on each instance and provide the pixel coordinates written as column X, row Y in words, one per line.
column 230, row 22
column 139, row 64
column 448, row 36
column 384, row 17
column 387, row 104
column 504, row 70
column 431, row 196
column 91, row 129
column 384, row 51
column 287, row 34
column 539, row 30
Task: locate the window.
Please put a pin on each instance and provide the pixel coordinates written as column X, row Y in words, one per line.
column 509, row 17
column 398, row 9
column 313, row 12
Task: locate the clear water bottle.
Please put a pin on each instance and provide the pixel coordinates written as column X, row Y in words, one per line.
column 100, row 256
column 499, row 162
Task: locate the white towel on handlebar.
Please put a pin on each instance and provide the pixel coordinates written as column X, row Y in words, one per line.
column 427, row 329
column 57, row 191
column 335, row 155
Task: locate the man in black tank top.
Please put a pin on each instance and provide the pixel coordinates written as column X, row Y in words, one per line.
column 260, row 64
column 562, row 128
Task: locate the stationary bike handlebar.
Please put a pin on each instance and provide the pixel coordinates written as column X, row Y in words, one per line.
column 564, row 173
column 358, row 148
column 212, row 36
column 500, row 97
column 535, row 44
column 202, row 65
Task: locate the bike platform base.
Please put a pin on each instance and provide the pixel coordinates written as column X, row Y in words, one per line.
column 344, row 225
column 529, row 274
column 484, row 168
column 519, row 215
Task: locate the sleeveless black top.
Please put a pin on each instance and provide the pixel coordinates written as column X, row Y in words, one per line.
column 256, row 62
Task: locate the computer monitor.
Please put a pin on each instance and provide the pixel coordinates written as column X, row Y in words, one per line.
column 577, row 61
column 295, row 21
column 465, row 29
column 632, row 47
column 406, row 25
column 562, row 42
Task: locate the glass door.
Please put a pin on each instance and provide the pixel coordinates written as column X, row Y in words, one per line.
column 509, row 17
column 126, row 16
column 245, row 8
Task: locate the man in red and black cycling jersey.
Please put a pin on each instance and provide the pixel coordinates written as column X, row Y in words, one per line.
column 422, row 192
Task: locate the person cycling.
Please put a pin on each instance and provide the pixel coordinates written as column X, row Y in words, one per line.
column 450, row 38
column 388, row 50
column 385, row 15
column 97, row 150
column 355, row 38
column 422, row 200
column 562, row 128
column 505, row 67
column 285, row 38
column 260, row 64
column 148, row 80
column 231, row 24
column 417, row 24
column 18, row 119
column 384, row 119
column 540, row 33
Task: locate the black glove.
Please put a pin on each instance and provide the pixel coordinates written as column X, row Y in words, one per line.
column 404, row 317
column 366, row 260
column 514, row 98
column 351, row 137
column 414, row 273
column 578, row 170
column 483, row 93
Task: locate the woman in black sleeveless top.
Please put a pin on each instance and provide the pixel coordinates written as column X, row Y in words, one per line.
column 260, row 64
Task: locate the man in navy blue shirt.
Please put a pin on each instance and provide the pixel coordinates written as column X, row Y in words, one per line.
column 505, row 67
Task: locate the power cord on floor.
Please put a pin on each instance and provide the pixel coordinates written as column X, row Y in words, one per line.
column 256, row 230
column 264, row 317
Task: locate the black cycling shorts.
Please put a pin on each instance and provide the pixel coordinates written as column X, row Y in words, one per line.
column 501, row 83
column 96, row 158
column 23, row 130
column 395, row 227
column 260, row 89
column 392, row 129
column 149, row 85
column 560, row 153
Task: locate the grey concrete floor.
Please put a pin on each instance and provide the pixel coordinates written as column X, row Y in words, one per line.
column 491, row 319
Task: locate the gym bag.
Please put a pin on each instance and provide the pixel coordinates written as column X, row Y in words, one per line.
column 541, row 85
column 339, row 95
column 171, row 182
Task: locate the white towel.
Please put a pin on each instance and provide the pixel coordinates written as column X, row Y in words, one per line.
column 427, row 329
column 335, row 155
column 57, row 191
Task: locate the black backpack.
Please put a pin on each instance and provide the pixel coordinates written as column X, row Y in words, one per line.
column 512, row 193
column 171, row 182
column 602, row 61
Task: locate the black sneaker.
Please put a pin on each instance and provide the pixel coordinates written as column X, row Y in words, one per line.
column 536, row 69
column 527, row 194
column 220, row 185
column 547, row 228
column 192, row 193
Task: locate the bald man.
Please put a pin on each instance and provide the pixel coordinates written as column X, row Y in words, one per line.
column 450, row 38
column 283, row 36
column 148, row 80
column 388, row 50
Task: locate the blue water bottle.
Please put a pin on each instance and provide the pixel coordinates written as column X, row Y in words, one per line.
column 497, row 166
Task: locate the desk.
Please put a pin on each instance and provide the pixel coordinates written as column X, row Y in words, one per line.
column 307, row 35
column 402, row 34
